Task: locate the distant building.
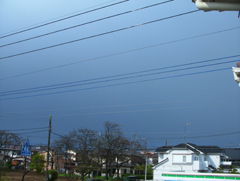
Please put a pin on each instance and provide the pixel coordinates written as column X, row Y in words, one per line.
column 233, row 155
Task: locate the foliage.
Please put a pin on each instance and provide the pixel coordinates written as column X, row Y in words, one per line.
column 37, row 162
column 94, row 179
column 66, row 175
column 3, row 178
column 101, row 178
column 126, row 175
column 141, row 169
column 220, row 169
column 232, row 169
column 142, row 177
column 54, row 175
column 6, row 165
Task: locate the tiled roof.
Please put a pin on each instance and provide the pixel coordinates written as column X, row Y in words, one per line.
column 192, row 147
column 163, row 149
column 233, row 154
column 210, row 149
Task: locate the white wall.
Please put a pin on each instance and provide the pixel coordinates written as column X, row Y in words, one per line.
column 214, row 160
column 175, row 162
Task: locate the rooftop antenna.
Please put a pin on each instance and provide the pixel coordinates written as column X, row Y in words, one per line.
column 185, row 129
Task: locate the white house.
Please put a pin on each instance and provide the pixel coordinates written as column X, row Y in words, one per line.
column 188, row 158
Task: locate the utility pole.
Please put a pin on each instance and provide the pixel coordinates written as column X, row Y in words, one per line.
column 146, row 169
column 49, row 134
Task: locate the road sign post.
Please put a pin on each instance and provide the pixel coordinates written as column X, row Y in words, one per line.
column 25, row 152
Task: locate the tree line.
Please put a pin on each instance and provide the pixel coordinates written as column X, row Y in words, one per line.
column 109, row 151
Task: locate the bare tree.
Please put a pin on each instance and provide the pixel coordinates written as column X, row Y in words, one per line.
column 127, row 152
column 9, row 139
column 110, row 151
column 118, row 150
column 110, row 144
column 63, row 145
column 85, row 143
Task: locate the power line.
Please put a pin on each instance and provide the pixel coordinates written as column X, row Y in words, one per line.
column 33, row 132
column 69, row 14
column 178, row 138
column 128, row 51
column 75, row 26
column 24, row 129
column 147, row 110
column 133, row 111
column 206, row 136
column 52, row 87
column 117, row 84
column 140, row 110
column 68, row 17
column 86, row 82
column 125, row 105
column 97, row 35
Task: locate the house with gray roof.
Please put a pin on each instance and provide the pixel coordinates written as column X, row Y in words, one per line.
column 188, row 158
column 233, row 155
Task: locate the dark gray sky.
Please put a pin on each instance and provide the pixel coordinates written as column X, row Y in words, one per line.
column 154, row 104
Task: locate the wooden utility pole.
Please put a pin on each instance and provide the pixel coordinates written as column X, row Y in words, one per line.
column 49, row 134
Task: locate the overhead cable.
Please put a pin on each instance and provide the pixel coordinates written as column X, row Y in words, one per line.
column 97, row 35
column 88, row 82
column 58, row 20
column 128, row 51
column 132, row 111
column 24, row 129
column 123, row 105
column 206, row 136
column 64, row 29
column 147, row 110
column 117, row 84
column 33, row 132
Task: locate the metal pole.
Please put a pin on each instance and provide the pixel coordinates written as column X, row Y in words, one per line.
column 146, row 169
column 49, row 134
column 185, row 128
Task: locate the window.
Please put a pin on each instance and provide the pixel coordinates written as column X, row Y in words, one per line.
column 184, row 159
column 195, row 158
column 205, row 158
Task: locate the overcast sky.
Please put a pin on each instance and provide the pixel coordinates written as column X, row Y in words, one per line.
column 150, row 78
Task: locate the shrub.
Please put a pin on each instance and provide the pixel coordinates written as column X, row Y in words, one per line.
column 149, row 177
column 54, row 175
column 126, row 175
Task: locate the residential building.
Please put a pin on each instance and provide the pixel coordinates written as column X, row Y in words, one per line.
column 188, row 158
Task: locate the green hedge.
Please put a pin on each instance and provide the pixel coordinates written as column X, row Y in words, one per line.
column 126, row 175
column 149, row 177
column 54, row 175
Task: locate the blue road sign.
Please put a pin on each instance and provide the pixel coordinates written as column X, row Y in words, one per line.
column 26, row 150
